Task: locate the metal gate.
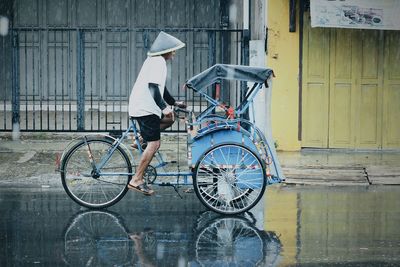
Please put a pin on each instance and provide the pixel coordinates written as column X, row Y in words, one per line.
column 65, row 79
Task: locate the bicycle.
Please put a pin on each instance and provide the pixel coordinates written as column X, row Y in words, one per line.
column 228, row 177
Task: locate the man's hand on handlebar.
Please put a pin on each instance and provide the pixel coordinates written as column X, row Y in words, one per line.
column 169, row 112
column 183, row 110
column 180, row 104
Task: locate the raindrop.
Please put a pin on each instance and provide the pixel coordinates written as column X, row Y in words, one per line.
column 4, row 25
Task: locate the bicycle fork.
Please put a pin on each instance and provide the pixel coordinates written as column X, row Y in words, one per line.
column 94, row 173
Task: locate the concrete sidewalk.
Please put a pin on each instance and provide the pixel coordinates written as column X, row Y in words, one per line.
column 341, row 167
column 32, row 160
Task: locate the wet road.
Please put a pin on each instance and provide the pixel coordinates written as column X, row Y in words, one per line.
column 299, row 226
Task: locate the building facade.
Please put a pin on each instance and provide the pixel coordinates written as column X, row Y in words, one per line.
column 68, row 65
column 335, row 87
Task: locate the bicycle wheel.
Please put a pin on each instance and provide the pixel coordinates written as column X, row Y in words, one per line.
column 91, row 189
column 229, row 178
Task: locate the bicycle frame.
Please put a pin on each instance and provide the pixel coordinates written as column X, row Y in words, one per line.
column 119, row 142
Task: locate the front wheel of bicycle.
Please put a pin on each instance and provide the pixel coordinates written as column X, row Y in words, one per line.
column 229, row 178
column 95, row 189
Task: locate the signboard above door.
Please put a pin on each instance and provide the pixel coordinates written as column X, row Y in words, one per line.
column 357, row 14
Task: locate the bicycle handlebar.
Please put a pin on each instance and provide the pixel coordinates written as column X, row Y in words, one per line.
column 177, row 109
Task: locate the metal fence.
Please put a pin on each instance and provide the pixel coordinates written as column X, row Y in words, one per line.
column 63, row 79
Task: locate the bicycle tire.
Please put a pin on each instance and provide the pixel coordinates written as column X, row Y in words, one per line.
column 229, row 178
column 88, row 190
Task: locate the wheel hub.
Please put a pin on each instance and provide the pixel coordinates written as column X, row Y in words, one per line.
column 229, row 177
column 95, row 174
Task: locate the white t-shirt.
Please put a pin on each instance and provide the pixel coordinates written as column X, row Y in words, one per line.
column 141, row 103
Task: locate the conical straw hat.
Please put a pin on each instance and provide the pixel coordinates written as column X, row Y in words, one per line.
column 164, row 43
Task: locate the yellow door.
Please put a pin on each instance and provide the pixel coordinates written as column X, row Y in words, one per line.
column 356, row 83
column 369, row 86
column 391, row 95
column 342, row 93
column 315, row 95
column 351, row 88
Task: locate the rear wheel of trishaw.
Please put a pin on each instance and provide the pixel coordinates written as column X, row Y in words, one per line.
column 229, row 178
column 88, row 188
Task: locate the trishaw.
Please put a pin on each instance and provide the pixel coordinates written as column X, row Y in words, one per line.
column 229, row 158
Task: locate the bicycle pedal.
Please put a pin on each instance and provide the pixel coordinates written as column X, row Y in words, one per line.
column 188, row 190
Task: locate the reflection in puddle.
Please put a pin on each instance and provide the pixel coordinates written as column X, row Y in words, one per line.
column 96, row 238
column 235, row 241
column 100, row 238
column 336, row 226
column 316, row 226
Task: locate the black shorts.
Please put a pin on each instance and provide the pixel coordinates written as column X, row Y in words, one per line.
column 149, row 127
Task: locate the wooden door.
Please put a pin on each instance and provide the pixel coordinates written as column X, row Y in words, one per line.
column 369, row 89
column 356, row 80
column 315, row 93
column 351, row 88
column 391, row 94
column 342, row 93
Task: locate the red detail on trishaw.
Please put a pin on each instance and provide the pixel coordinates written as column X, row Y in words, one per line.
column 230, row 113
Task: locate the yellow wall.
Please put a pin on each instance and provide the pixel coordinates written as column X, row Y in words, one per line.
column 283, row 58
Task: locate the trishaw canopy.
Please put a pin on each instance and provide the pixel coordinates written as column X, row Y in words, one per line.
column 228, row 72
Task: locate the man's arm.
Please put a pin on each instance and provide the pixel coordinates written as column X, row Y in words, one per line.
column 168, row 97
column 171, row 100
column 155, row 93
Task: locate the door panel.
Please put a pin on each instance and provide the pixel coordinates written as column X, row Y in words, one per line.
column 93, row 74
column 342, row 50
column 143, row 15
column 370, row 90
column 116, row 66
column 391, row 98
column 340, row 122
column 29, row 59
column 369, row 130
column 371, row 48
column 117, row 13
column 57, row 78
column 392, row 56
column 174, row 14
column 27, row 13
column 85, row 18
column 315, row 93
column 391, row 129
column 341, row 95
column 57, row 13
column 315, row 115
